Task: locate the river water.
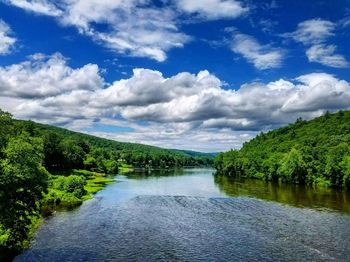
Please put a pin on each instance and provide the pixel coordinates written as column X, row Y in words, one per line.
column 190, row 215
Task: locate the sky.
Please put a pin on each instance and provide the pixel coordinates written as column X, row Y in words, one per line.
column 200, row 75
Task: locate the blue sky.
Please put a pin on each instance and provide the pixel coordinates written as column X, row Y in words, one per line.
column 202, row 75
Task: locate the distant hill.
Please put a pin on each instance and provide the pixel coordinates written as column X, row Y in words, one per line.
column 315, row 152
column 197, row 154
column 138, row 155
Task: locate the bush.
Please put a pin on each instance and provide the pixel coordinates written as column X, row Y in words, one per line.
column 71, row 184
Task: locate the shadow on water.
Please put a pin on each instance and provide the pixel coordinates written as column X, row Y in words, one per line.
column 294, row 195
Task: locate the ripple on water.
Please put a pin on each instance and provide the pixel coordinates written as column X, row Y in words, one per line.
column 181, row 228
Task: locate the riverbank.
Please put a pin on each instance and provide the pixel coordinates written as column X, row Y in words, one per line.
column 67, row 190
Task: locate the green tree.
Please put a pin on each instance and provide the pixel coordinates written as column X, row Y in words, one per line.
column 90, row 163
column 53, row 155
column 271, row 166
column 293, row 167
column 345, row 164
column 110, row 166
column 71, row 184
column 73, row 154
column 5, row 127
column 23, row 179
column 334, row 168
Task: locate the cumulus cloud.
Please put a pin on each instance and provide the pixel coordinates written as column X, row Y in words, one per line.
column 147, row 87
column 193, row 111
column 261, row 56
column 213, row 9
column 43, row 76
column 314, row 33
column 318, row 91
column 6, row 39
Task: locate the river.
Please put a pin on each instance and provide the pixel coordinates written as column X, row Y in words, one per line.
column 190, row 215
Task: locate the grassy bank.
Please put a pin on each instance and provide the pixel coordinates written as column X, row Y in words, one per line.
column 69, row 189
column 66, row 190
column 125, row 168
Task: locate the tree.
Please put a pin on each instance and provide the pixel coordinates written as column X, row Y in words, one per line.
column 5, row 126
column 23, row 179
column 110, row 166
column 73, row 154
column 333, row 168
column 293, row 167
column 90, row 163
column 53, row 156
column 345, row 164
column 71, row 184
column 271, row 166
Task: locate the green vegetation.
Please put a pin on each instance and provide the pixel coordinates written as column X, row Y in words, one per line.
column 129, row 154
column 69, row 189
column 44, row 167
column 315, row 152
column 22, row 181
column 96, row 184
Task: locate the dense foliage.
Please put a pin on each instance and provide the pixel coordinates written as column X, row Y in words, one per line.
column 315, row 152
column 68, row 148
column 43, row 166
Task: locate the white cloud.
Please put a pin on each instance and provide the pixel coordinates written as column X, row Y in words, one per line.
column 325, row 54
column 43, row 7
column 192, row 111
column 6, row 39
column 261, row 56
column 42, row 76
column 131, row 27
column 318, row 91
column 147, row 87
column 315, row 33
column 136, row 28
column 173, row 136
column 213, row 9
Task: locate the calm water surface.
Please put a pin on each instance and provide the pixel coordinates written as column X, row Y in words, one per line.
column 190, row 215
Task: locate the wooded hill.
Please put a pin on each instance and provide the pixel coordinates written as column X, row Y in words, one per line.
column 137, row 155
column 315, row 152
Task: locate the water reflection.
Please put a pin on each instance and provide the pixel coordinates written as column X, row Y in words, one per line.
column 140, row 174
column 295, row 195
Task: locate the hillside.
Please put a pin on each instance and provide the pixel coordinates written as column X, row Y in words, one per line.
column 315, row 152
column 137, row 155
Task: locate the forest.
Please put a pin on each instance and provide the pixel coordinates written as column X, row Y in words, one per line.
column 44, row 167
column 315, row 153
